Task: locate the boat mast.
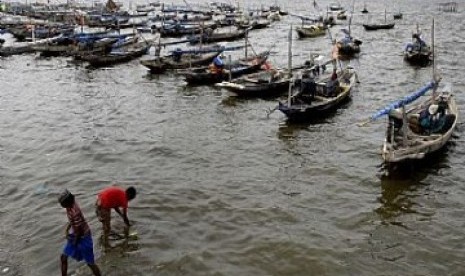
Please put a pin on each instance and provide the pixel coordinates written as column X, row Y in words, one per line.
column 432, row 49
column 246, row 42
column 289, row 66
column 435, row 78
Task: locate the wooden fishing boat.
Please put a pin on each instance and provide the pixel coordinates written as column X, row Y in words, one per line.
column 30, row 32
column 398, row 15
column 348, row 46
column 419, row 125
column 380, row 26
column 98, row 47
column 314, row 96
column 216, row 37
column 335, row 7
column 310, row 31
column 266, row 84
column 341, row 15
column 418, row 52
column 173, row 61
column 177, row 30
column 69, row 46
column 421, row 57
column 17, row 49
column 407, row 138
column 253, row 24
column 202, row 76
column 347, row 49
column 365, row 10
column 118, row 55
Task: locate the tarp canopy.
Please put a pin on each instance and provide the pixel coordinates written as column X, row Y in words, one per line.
column 408, row 99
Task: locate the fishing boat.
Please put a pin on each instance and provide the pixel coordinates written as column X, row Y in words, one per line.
column 418, row 52
column 119, row 55
column 418, row 130
column 253, row 24
column 180, row 60
column 266, row 84
column 365, row 10
column 177, row 29
column 379, row 26
column 212, row 37
column 269, row 83
column 16, row 49
column 419, row 124
column 313, row 30
column 234, row 69
column 316, row 92
column 32, row 32
column 336, row 7
column 398, row 15
column 348, row 46
column 341, row 15
column 315, row 95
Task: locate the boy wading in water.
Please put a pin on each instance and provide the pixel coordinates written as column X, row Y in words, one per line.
column 79, row 243
column 113, row 198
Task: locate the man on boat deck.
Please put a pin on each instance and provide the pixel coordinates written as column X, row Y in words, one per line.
column 332, row 86
column 79, row 243
column 177, row 54
column 419, row 43
column 308, row 87
column 113, row 198
column 217, row 65
column 432, row 119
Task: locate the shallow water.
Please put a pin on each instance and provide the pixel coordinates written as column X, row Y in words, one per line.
column 224, row 190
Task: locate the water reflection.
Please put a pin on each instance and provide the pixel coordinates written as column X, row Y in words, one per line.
column 401, row 184
column 289, row 130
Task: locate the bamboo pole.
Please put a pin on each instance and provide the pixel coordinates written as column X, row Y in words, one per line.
column 246, row 43
column 435, row 79
column 404, row 128
column 230, row 66
column 289, row 67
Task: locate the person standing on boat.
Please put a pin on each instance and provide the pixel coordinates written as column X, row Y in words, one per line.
column 419, row 43
column 308, row 86
column 113, row 198
column 79, row 244
column 332, row 85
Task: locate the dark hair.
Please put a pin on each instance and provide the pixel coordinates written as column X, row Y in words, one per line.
column 66, row 199
column 130, row 193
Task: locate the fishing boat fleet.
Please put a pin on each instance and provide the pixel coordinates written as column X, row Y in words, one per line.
column 416, row 126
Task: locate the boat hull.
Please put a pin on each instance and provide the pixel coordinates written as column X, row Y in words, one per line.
column 319, row 106
column 374, row 27
column 420, row 146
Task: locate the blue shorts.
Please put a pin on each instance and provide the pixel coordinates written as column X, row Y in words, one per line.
column 84, row 249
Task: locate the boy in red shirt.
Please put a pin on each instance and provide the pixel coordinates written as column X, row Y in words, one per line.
column 113, row 198
column 79, row 243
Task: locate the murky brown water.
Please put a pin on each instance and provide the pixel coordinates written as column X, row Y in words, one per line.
column 222, row 189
